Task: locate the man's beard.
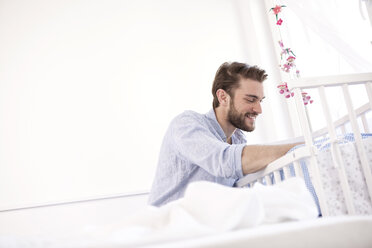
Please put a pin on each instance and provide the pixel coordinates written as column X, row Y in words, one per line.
column 237, row 119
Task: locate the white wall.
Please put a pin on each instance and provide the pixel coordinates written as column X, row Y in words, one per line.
column 87, row 89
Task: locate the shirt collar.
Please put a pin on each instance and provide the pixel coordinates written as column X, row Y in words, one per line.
column 212, row 116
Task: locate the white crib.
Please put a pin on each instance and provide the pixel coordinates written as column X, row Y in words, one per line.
column 279, row 170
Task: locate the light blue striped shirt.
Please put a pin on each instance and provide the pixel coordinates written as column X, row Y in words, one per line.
column 195, row 149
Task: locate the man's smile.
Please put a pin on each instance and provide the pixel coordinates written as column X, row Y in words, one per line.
column 251, row 116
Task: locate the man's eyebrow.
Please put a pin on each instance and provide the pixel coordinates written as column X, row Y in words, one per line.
column 254, row 96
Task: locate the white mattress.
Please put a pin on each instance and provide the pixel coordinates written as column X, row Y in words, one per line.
column 342, row 231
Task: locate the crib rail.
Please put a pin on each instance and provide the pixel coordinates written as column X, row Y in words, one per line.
column 272, row 173
column 328, row 81
column 275, row 168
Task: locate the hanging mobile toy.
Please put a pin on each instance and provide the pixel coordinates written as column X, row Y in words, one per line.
column 287, row 58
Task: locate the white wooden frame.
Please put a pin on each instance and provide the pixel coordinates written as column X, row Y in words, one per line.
column 309, row 151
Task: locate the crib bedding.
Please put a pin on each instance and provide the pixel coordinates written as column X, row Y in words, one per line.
column 331, row 182
column 329, row 175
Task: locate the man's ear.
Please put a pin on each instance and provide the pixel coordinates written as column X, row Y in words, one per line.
column 222, row 97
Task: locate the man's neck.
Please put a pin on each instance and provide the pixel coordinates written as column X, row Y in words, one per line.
column 228, row 129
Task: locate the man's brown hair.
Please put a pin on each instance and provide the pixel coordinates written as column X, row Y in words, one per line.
column 228, row 76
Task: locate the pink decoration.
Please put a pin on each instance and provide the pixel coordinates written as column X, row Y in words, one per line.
column 284, row 90
column 277, row 9
column 288, row 59
column 286, row 67
column 287, row 94
column 281, row 44
column 306, row 98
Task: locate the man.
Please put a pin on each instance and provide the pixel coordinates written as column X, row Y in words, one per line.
column 212, row 147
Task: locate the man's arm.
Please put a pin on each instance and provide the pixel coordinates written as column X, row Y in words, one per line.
column 257, row 157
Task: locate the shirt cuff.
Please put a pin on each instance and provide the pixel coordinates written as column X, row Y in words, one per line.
column 238, row 160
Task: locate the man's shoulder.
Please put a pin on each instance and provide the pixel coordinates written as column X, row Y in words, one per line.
column 189, row 115
column 188, row 120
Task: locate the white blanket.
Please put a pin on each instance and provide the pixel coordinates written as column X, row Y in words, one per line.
column 206, row 209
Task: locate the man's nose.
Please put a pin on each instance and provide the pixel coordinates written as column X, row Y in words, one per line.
column 257, row 108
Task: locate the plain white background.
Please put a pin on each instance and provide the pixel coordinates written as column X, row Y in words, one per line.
column 88, row 88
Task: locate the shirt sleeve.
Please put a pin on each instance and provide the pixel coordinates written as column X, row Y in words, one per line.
column 196, row 143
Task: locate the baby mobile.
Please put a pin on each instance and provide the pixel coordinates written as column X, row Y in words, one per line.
column 287, row 58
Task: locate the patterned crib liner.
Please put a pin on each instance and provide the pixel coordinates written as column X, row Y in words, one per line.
column 329, row 174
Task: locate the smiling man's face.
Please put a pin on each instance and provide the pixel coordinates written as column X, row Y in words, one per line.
column 245, row 105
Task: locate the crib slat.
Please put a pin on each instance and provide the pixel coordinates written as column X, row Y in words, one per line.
column 336, row 154
column 297, row 168
column 327, row 114
column 277, row 177
column 368, row 86
column 287, row 173
column 303, row 118
column 268, row 180
column 358, row 138
column 365, row 123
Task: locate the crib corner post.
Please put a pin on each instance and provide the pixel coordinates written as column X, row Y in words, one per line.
column 314, row 169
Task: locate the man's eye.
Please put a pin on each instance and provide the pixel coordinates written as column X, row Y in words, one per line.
column 250, row 100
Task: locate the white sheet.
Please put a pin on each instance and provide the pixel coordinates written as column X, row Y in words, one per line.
column 206, row 209
column 330, row 232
